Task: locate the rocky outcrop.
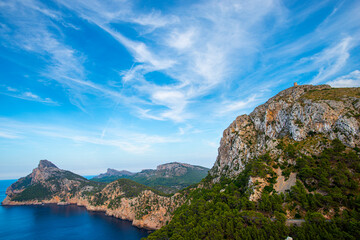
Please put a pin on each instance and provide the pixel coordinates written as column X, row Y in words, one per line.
column 296, row 113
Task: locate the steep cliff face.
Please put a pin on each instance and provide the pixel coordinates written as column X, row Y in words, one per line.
column 294, row 114
column 123, row 198
column 129, row 200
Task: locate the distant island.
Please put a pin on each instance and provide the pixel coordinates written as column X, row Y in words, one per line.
column 289, row 169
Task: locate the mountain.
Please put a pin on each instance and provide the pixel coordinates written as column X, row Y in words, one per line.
column 48, row 182
column 123, row 198
column 112, row 175
column 168, row 178
column 298, row 114
column 289, row 168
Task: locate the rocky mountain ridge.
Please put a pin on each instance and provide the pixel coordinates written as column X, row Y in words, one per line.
column 113, row 172
column 168, row 177
column 294, row 114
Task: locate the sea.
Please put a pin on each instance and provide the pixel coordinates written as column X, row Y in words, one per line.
column 52, row 222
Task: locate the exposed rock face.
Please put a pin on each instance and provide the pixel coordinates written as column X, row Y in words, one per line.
column 171, row 169
column 296, row 113
column 43, row 164
column 123, row 198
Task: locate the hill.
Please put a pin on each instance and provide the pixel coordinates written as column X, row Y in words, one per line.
column 112, row 175
column 168, row 178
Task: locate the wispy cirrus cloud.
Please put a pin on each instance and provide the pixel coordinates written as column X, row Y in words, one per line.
column 350, row 80
column 205, row 49
column 40, row 34
column 25, row 95
column 332, row 60
column 8, row 135
column 190, row 46
column 128, row 141
column 237, row 106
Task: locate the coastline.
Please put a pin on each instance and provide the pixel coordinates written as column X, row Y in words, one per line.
column 64, row 204
column 123, row 214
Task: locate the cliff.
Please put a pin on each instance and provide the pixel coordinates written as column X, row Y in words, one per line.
column 294, row 114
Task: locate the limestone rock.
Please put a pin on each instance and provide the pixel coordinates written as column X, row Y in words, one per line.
column 296, row 113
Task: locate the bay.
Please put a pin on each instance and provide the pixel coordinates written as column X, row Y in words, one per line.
column 61, row 222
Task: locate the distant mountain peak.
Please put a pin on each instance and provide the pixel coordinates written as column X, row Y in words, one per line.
column 174, row 165
column 46, row 164
column 113, row 172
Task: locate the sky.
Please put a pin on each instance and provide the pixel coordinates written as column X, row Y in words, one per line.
column 131, row 84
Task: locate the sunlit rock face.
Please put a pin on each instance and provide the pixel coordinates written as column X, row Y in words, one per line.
column 296, row 113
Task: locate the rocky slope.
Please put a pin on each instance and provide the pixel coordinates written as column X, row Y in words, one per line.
column 123, row 198
column 293, row 115
column 168, row 178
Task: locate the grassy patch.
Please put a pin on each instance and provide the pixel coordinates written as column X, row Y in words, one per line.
column 332, row 94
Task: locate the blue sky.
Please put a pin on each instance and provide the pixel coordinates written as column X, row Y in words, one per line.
column 132, row 84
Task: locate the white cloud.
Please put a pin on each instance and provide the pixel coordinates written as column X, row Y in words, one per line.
column 128, row 141
column 204, row 49
column 10, row 89
column 181, row 40
column 235, row 106
column 332, row 60
column 200, row 47
column 27, row 95
column 350, row 80
column 8, row 135
column 154, row 19
column 64, row 64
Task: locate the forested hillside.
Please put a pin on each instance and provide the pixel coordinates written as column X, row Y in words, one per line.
column 326, row 197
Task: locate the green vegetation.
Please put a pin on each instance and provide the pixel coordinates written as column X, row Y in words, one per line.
column 223, row 211
column 22, row 182
column 107, row 179
column 133, row 189
column 175, row 182
column 54, row 185
column 158, row 180
column 34, row 192
column 130, row 188
column 332, row 94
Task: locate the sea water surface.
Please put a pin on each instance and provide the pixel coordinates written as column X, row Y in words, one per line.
column 61, row 222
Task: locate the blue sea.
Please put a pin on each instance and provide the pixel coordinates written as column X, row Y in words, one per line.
column 61, row 222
